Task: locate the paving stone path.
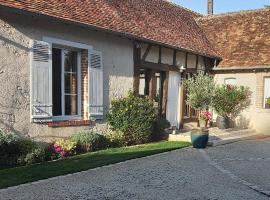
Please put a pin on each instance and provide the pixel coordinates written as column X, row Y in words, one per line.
column 233, row 171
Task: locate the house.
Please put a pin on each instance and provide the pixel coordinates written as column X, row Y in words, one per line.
column 62, row 62
column 243, row 41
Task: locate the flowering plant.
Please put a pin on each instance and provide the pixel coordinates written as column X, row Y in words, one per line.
column 62, row 148
column 206, row 116
column 230, row 100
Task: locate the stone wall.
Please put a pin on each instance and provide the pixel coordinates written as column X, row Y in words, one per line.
column 256, row 116
column 16, row 32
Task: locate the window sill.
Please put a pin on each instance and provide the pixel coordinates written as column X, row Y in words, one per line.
column 70, row 123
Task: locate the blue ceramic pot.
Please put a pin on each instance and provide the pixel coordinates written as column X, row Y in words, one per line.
column 199, row 138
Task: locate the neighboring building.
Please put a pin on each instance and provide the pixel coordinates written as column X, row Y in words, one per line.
column 243, row 41
column 62, row 62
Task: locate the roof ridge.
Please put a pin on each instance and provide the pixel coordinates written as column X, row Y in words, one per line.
column 234, row 13
column 182, row 7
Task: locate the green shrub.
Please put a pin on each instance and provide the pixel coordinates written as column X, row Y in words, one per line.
column 268, row 101
column 89, row 141
column 18, row 151
column 159, row 128
column 231, row 100
column 30, row 152
column 116, row 139
column 134, row 117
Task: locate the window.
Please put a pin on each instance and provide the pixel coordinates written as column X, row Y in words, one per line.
column 267, row 92
column 65, row 82
column 230, row 81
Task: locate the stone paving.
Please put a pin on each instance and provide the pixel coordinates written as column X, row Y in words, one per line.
column 233, row 171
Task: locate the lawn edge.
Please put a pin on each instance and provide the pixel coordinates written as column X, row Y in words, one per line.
column 85, row 171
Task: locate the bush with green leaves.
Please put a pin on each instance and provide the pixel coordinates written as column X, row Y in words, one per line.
column 230, row 100
column 134, row 117
column 200, row 91
column 89, row 141
column 159, row 128
column 116, row 139
column 19, row 151
column 268, row 101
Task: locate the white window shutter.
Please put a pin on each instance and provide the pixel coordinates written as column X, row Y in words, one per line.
column 95, row 85
column 41, row 62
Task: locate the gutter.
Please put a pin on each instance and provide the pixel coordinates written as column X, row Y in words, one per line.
column 226, row 70
column 134, row 38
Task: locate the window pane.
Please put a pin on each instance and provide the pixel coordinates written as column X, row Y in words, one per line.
column 56, row 82
column 71, row 83
column 70, row 58
column 266, row 91
column 230, row 81
column 71, row 105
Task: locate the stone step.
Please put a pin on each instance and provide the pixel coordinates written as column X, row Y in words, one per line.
column 217, row 136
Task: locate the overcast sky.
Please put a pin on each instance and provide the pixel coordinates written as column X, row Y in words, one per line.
column 222, row 6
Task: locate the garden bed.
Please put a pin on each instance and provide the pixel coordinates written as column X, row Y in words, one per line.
column 30, row 173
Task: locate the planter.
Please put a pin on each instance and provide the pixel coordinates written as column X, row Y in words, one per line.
column 223, row 122
column 199, row 138
column 203, row 123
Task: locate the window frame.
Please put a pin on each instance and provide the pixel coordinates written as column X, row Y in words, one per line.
column 264, row 95
column 230, row 78
column 64, row 116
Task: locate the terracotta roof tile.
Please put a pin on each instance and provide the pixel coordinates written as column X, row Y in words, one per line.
column 154, row 20
column 242, row 38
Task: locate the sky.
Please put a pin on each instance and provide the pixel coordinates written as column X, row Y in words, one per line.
column 222, row 6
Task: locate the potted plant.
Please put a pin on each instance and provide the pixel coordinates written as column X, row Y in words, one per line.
column 200, row 90
column 228, row 102
column 204, row 118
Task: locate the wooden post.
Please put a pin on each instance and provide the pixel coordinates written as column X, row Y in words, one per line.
column 136, row 75
column 165, row 93
column 152, row 85
column 182, row 104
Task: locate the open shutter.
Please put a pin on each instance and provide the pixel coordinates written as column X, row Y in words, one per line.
column 41, row 101
column 95, row 85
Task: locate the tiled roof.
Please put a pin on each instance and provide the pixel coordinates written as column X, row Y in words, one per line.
column 242, row 38
column 154, row 20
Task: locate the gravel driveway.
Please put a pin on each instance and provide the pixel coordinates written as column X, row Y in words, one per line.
column 233, row 171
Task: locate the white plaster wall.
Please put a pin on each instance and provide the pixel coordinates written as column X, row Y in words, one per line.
column 254, row 118
column 167, row 56
column 15, row 35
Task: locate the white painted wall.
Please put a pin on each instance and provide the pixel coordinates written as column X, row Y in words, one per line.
column 15, row 35
column 254, row 118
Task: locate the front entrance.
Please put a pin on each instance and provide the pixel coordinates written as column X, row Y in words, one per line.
column 151, row 84
column 173, row 103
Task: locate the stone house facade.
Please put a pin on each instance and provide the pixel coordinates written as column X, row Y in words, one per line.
column 61, row 63
column 243, row 41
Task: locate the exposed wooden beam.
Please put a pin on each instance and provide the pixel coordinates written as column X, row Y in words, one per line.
column 156, row 66
column 165, row 92
column 136, row 60
column 197, row 61
column 147, row 51
column 159, row 54
column 186, row 59
column 174, row 58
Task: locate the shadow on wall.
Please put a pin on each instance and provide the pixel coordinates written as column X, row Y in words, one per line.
column 240, row 122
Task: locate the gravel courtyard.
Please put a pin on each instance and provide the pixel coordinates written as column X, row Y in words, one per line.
column 233, row 171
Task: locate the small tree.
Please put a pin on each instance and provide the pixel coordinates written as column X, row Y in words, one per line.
column 200, row 91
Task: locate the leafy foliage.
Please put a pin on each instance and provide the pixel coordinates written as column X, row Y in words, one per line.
column 19, row 151
column 159, row 128
column 200, row 91
column 134, row 117
column 231, row 100
column 116, row 139
column 268, row 101
column 89, row 141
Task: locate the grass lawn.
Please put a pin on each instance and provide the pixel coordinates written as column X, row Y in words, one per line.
column 30, row 173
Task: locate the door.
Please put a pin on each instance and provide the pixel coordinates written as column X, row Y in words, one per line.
column 173, row 102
